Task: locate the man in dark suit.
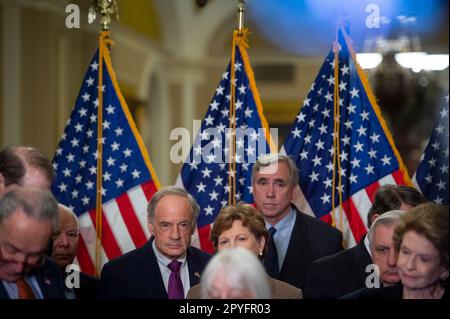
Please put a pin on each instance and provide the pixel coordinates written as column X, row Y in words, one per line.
column 342, row 273
column 64, row 249
column 334, row 276
column 296, row 239
column 28, row 217
column 167, row 266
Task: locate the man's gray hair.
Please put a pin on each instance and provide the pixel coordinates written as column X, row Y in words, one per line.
column 171, row 190
column 268, row 159
column 36, row 203
column 388, row 219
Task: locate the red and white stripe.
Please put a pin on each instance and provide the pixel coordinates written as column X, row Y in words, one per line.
column 124, row 227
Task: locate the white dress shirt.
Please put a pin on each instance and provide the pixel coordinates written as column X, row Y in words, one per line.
column 163, row 262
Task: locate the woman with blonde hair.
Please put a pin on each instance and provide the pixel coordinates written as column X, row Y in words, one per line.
column 421, row 241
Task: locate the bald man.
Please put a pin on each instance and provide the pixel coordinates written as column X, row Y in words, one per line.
column 65, row 247
column 24, row 166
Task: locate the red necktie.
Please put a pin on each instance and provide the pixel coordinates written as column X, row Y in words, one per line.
column 25, row 291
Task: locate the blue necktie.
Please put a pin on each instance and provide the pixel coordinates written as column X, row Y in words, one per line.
column 271, row 258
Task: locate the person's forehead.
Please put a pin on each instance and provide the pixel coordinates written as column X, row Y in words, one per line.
column 383, row 233
column 276, row 169
column 66, row 220
column 236, row 226
column 173, row 205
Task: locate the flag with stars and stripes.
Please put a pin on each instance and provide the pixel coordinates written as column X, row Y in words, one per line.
column 205, row 173
column 431, row 177
column 366, row 152
column 128, row 177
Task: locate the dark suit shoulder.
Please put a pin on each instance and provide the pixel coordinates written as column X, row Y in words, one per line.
column 318, row 226
column 329, row 262
column 338, row 274
column 393, row 292
column 51, row 279
column 128, row 258
column 88, row 278
column 199, row 255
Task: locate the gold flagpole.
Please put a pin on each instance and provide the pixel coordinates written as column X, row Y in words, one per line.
column 232, row 142
column 336, row 136
column 106, row 8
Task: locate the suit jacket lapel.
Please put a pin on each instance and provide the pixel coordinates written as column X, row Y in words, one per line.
column 48, row 281
column 193, row 267
column 296, row 248
column 151, row 273
column 361, row 258
column 3, row 293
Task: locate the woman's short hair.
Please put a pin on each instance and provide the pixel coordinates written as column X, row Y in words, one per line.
column 391, row 197
column 249, row 217
column 242, row 270
column 429, row 220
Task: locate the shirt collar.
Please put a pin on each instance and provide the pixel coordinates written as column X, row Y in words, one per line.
column 284, row 226
column 163, row 260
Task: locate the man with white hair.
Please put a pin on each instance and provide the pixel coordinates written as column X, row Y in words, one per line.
column 382, row 251
column 64, row 251
column 235, row 273
column 337, row 275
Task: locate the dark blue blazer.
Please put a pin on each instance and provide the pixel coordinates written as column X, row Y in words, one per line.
column 136, row 274
column 49, row 278
column 88, row 287
column 311, row 239
column 337, row 275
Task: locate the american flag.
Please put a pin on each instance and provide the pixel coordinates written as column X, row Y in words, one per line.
column 205, row 173
column 367, row 154
column 432, row 174
column 128, row 177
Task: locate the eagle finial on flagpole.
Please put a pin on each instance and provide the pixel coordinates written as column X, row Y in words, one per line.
column 106, row 8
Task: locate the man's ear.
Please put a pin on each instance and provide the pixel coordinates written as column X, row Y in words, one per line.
column 150, row 228
column 374, row 217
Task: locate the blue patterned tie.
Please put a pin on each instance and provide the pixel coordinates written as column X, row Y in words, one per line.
column 271, row 258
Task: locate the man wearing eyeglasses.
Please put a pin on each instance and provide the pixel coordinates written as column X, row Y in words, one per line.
column 64, row 250
column 28, row 217
column 296, row 239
